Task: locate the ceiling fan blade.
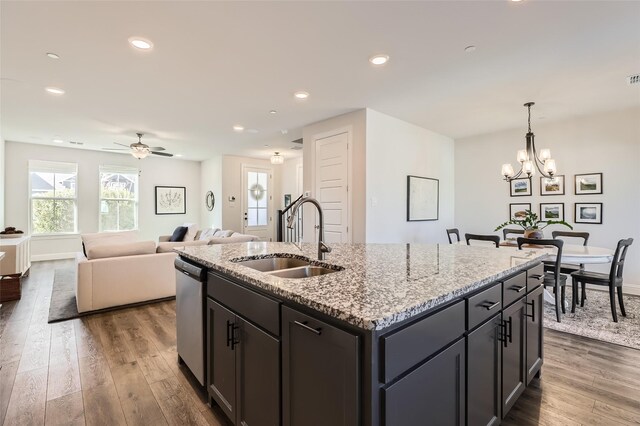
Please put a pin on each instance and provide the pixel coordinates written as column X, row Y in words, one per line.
column 121, row 144
column 116, row 149
column 156, row 148
column 164, row 154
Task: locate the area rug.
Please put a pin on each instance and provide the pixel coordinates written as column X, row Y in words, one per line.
column 594, row 319
column 63, row 296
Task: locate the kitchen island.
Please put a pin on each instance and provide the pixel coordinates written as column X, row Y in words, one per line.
column 387, row 334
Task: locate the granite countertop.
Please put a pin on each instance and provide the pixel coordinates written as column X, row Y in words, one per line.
column 382, row 284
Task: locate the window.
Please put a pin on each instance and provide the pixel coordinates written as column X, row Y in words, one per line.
column 257, row 213
column 53, row 188
column 118, row 198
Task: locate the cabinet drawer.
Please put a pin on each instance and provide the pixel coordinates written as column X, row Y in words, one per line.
column 534, row 277
column 514, row 288
column 255, row 307
column 408, row 346
column 484, row 305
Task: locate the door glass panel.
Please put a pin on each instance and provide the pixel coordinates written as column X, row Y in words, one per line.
column 252, row 217
column 262, row 217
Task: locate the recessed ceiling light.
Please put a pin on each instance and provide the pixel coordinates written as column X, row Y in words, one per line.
column 53, row 55
column 470, row 49
column 54, row 90
column 301, row 95
column 177, row 155
column 58, row 141
column 238, row 128
column 273, row 111
column 140, row 43
column 379, row 59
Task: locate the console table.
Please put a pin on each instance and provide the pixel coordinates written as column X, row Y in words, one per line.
column 14, row 265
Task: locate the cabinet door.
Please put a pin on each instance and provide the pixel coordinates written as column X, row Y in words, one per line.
column 258, row 376
column 432, row 394
column 535, row 300
column 513, row 354
column 319, row 372
column 484, row 370
column 221, row 357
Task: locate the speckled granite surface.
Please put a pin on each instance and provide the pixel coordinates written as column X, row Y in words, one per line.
column 381, row 284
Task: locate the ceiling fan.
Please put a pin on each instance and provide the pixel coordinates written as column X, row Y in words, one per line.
column 140, row 150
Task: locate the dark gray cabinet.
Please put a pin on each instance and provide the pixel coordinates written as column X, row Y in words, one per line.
column 513, row 353
column 244, row 368
column 320, row 366
column 484, row 374
column 535, row 301
column 434, row 391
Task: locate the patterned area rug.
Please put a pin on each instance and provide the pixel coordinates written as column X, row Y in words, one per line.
column 595, row 321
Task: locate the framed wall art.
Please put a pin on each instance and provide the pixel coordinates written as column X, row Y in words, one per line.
column 171, row 200
column 520, row 187
column 551, row 211
column 422, row 198
column 588, row 213
column 518, row 210
column 590, row 183
column 552, row 186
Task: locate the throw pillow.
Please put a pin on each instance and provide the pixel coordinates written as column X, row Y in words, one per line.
column 223, row 234
column 208, row 233
column 179, row 233
column 192, row 230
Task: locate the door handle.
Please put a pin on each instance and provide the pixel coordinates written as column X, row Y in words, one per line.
column 231, row 335
column 533, row 311
column 304, row 325
column 506, row 332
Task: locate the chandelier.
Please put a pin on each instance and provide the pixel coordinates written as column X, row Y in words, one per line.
column 529, row 159
column 277, row 158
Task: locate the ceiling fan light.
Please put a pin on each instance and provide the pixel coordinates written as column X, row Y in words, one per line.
column 277, row 158
column 140, row 152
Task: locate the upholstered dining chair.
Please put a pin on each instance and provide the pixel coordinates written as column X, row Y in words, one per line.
column 451, row 232
column 493, row 238
column 507, row 231
column 553, row 278
column 613, row 279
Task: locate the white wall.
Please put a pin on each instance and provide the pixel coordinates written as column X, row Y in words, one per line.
column 211, row 180
column 607, row 143
column 2, row 181
column 232, row 213
column 288, row 180
column 356, row 123
column 396, row 149
column 154, row 171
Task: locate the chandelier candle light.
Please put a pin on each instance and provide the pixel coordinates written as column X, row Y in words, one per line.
column 529, row 159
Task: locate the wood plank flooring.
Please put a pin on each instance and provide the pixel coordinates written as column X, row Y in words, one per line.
column 120, row 368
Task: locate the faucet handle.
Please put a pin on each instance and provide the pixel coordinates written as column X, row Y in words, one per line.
column 325, row 248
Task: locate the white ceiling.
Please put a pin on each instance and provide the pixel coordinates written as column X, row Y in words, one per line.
column 218, row 64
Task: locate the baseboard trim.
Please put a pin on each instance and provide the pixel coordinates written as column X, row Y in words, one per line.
column 633, row 289
column 52, row 256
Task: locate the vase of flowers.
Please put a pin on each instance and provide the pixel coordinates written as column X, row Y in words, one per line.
column 531, row 224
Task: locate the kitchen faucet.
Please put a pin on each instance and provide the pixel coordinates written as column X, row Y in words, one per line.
column 322, row 247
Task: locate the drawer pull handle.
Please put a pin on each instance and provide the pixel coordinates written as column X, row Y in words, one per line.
column 304, row 325
column 537, row 277
column 492, row 305
column 519, row 289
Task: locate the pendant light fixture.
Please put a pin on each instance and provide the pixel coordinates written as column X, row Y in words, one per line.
column 277, row 158
column 529, row 159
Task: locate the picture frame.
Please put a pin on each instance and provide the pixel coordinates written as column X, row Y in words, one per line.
column 423, row 198
column 552, row 186
column 516, row 210
column 588, row 183
column 520, row 187
column 171, row 200
column 551, row 211
column 588, row 213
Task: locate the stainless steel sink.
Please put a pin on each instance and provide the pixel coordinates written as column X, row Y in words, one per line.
column 302, row 272
column 273, row 263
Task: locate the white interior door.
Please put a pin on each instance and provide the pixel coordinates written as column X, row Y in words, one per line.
column 332, row 185
column 257, row 202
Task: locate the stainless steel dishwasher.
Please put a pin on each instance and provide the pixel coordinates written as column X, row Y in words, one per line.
column 190, row 300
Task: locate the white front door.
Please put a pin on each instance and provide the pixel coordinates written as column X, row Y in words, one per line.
column 332, row 184
column 257, row 201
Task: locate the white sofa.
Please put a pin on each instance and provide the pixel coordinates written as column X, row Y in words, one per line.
column 119, row 270
column 217, row 237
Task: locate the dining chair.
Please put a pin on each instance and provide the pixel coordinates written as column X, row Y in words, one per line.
column 552, row 278
column 567, row 268
column 507, row 231
column 494, row 238
column 613, row 279
column 453, row 231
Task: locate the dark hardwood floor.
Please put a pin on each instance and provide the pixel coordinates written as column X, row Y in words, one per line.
column 121, row 368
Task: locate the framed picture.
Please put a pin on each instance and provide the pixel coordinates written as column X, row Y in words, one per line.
column 171, row 200
column 422, row 198
column 552, row 186
column 588, row 213
column 520, row 187
column 590, row 183
column 551, row 211
column 287, row 200
column 517, row 210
